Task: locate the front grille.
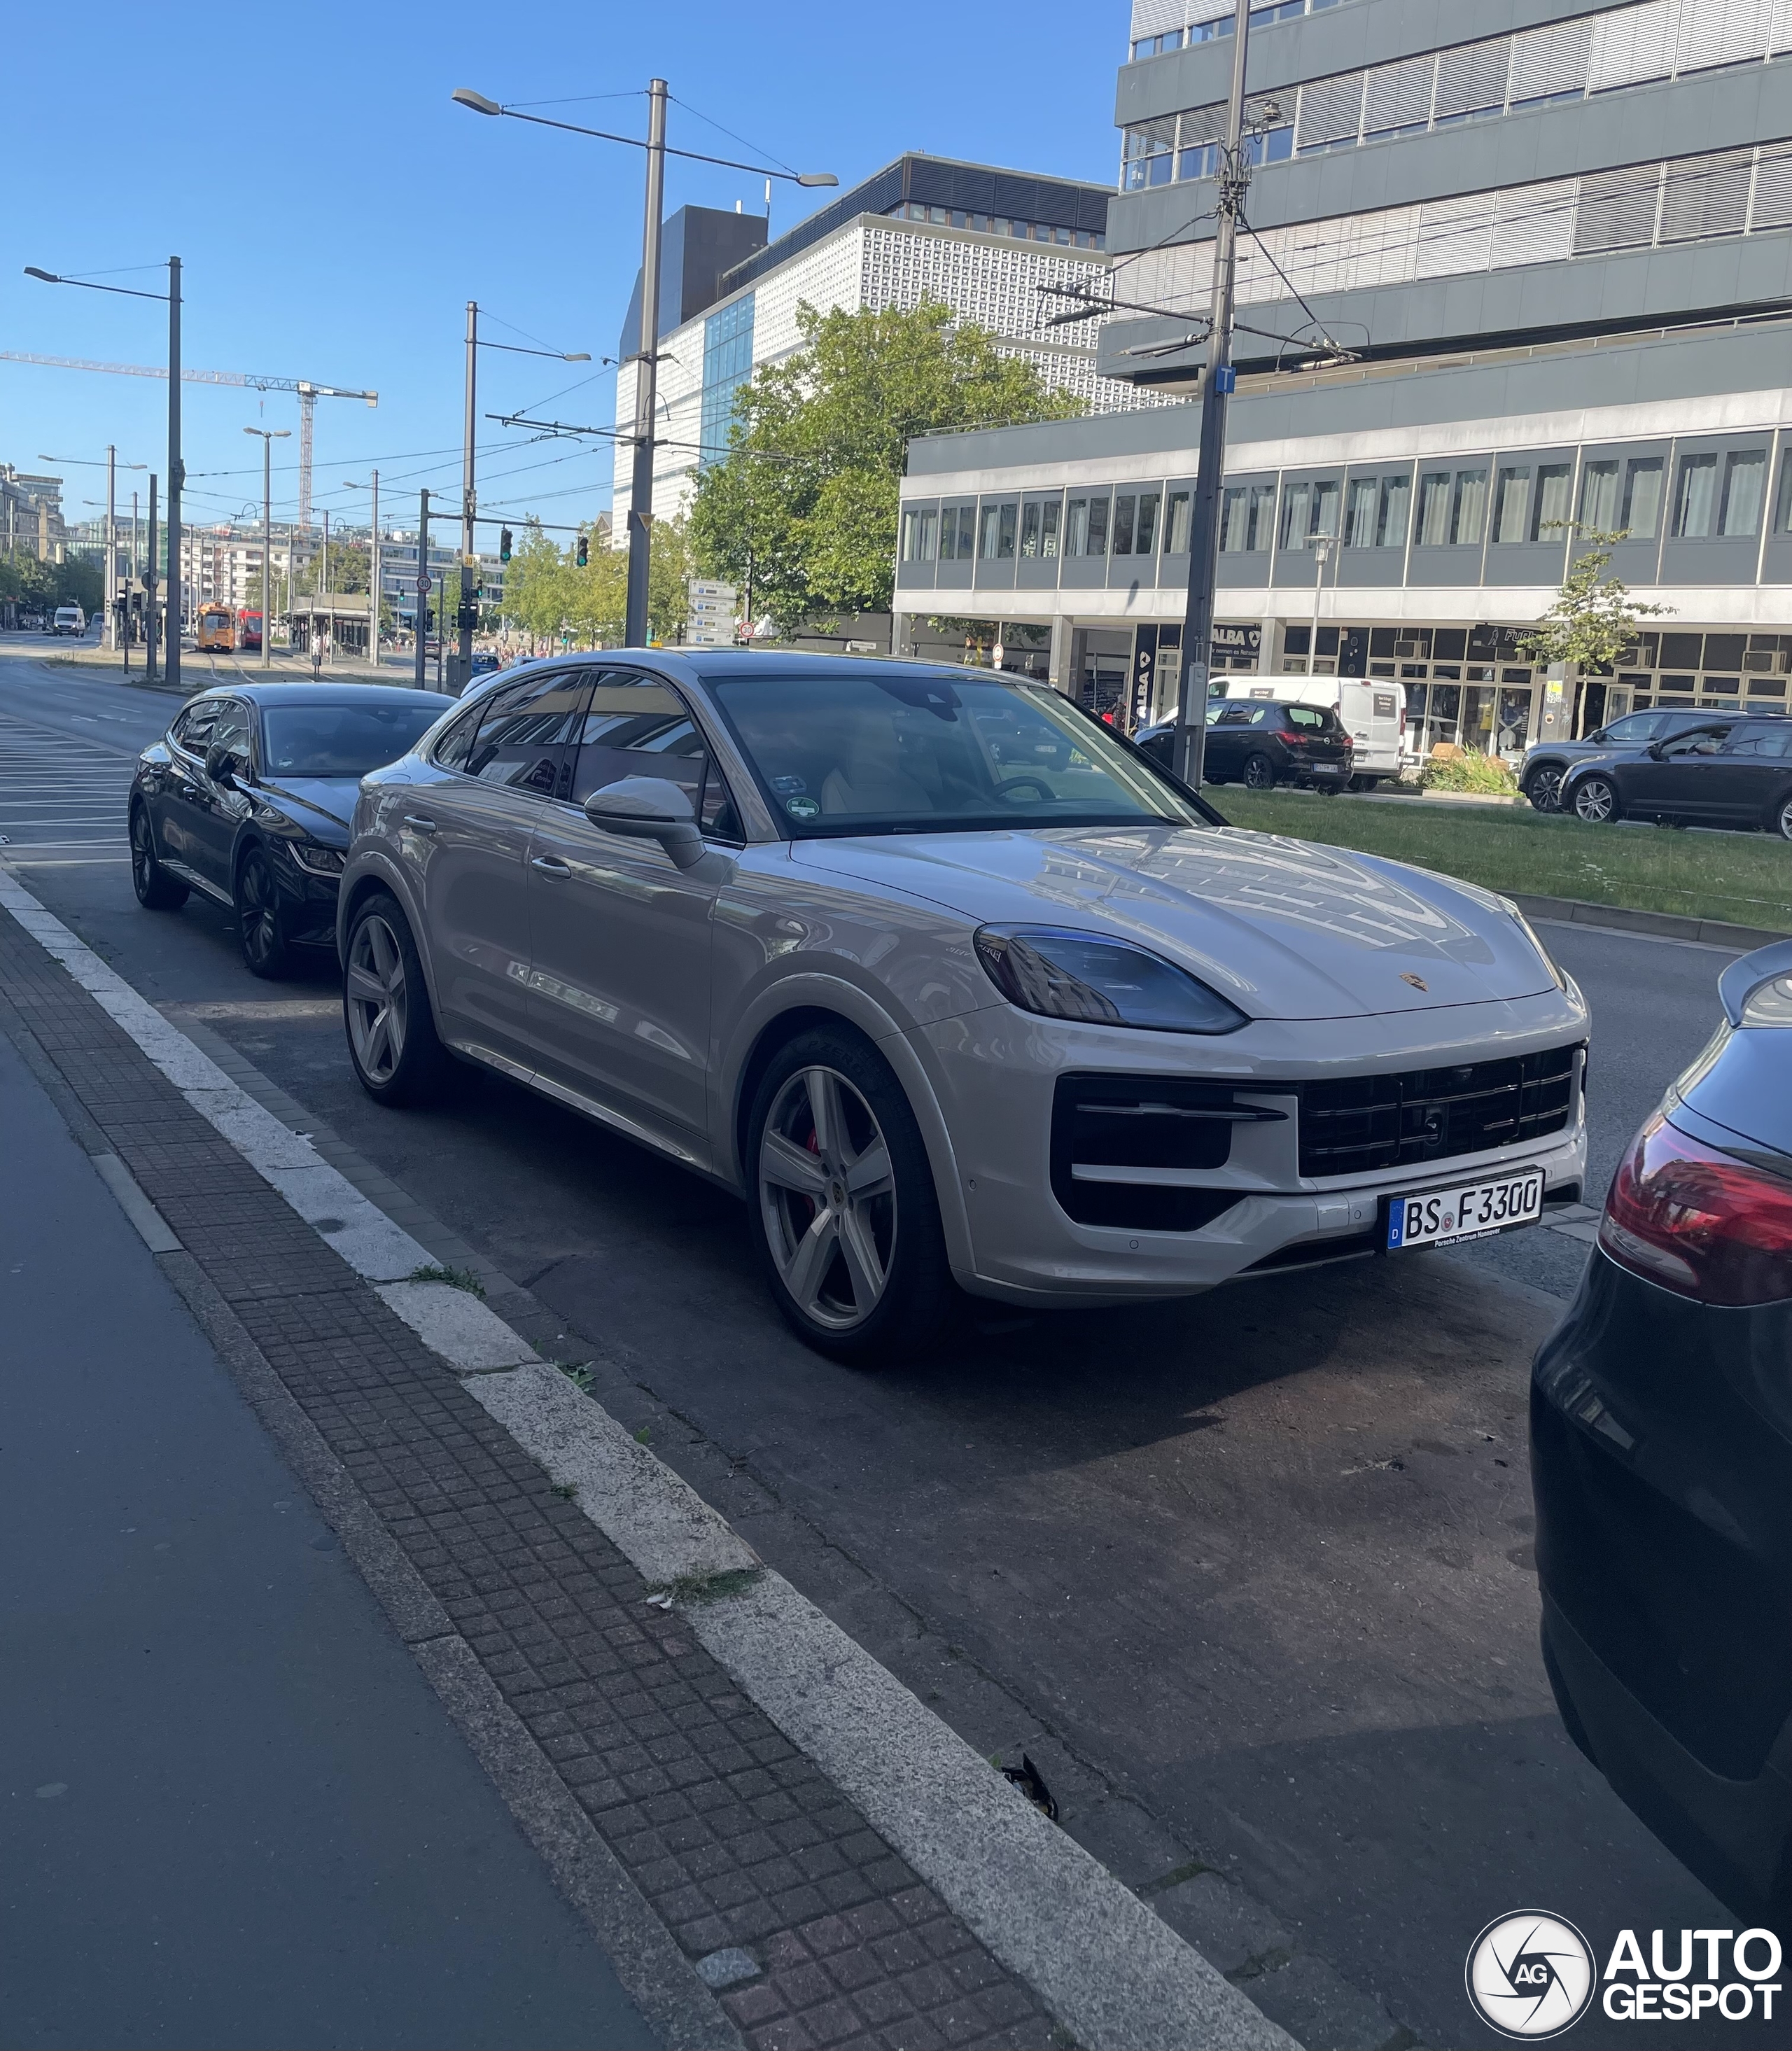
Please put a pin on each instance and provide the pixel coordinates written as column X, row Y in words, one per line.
column 1118, row 1123
column 1362, row 1123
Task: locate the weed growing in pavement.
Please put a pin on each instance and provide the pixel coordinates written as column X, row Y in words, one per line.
column 709, row 1587
column 577, row 1372
column 456, row 1278
column 645, row 1435
column 568, row 1489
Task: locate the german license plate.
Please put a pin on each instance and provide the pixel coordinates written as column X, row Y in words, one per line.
column 1477, row 1210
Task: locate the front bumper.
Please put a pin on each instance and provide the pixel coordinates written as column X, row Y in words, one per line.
column 307, row 901
column 995, row 1072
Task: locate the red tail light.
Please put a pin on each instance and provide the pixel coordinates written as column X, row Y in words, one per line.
column 1699, row 1222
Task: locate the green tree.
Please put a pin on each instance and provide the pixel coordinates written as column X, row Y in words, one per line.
column 349, row 568
column 802, row 512
column 1595, row 620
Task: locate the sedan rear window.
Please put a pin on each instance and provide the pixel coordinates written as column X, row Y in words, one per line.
column 865, row 752
column 340, row 739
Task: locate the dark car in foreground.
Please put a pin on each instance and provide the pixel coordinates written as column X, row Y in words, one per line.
column 1260, row 744
column 1735, row 773
column 247, row 799
column 1661, row 1458
column 1540, row 775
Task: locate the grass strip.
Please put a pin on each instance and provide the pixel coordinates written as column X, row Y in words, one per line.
column 1745, row 879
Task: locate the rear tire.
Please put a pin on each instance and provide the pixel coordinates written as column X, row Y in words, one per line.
column 157, row 891
column 396, row 1053
column 1260, row 773
column 841, row 1206
column 1595, row 801
column 1543, row 787
column 1782, row 822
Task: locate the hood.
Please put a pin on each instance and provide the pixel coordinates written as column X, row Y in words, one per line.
column 1283, row 928
column 316, row 804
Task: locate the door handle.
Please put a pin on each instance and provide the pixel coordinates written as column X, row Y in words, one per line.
column 551, row 865
column 422, row 825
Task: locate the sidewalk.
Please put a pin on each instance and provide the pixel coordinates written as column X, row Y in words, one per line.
column 743, row 1896
column 237, row 1813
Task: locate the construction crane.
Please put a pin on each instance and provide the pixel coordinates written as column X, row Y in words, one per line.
column 309, row 395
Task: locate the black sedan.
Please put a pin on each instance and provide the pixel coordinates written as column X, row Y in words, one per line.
column 1735, row 773
column 1661, row 1458
column 1260, row 744
column 247, row 799
column 1544, row 766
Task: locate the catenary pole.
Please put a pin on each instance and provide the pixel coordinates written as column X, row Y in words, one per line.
column 176, row 475
column 148, row 590
column 467, row 612
column 112, row 549
column 420, row 598
column 1216, row 383
column 374, row 581
column 641, row 497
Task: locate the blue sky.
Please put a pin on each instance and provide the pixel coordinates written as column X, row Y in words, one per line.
column 334, row 212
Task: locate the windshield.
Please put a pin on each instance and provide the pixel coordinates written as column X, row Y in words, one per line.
column 858, row 751
column 340, row 739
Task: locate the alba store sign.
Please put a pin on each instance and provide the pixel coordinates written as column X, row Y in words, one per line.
column 1533, row 1975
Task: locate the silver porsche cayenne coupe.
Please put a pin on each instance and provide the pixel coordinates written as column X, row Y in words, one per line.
column 956, row 987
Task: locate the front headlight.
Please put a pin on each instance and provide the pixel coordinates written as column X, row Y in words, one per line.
column 1096, row 982
column 321, row 860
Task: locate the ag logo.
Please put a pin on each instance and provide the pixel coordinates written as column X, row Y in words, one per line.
column 1530, row 1976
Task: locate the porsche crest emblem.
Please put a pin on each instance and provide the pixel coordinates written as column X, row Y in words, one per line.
column 1417, row 982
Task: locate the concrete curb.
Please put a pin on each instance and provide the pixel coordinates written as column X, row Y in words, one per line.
column 1662, row 925
column 1112, row 1972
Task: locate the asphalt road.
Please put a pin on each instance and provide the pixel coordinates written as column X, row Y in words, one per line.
column 1262, row 1559
column 236, row 1814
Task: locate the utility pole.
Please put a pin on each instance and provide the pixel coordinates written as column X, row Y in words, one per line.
column 1321, row 555
column 112, row 549
column 641, row 497
column 149, row 592
column 323, row 588
column 421, row 599
column 177, row 474
column 468, row 614
column 269, row 437
column 1216, row 385
column 373, row 580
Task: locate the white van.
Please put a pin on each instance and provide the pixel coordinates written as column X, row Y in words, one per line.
column 1374, row 711
column 69, row 620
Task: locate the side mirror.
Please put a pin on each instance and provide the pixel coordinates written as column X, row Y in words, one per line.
column 218, row 760
column 1654, row 751
column 649, row 808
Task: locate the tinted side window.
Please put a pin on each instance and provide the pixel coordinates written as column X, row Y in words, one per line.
column 634, row 726
column 456, row 743
column 1757, row 742
column 192, row 730
column 231, row 730
column 524, row 729
column 1693, row 744
column 1635, row 729
column 1236, row 715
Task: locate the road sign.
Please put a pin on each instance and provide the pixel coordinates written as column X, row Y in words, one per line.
column 422, row 585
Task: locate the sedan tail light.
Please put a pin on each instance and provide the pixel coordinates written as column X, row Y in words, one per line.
column 1699, row 1222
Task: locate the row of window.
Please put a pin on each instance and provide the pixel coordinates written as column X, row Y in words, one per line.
column 1561, row 61
column 1224, row 24
column 997, row 224
column 1718, row 495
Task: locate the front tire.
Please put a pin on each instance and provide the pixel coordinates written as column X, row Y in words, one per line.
column 1543, row 787
column 1782, row 820
column 261, row 930
column 1260, row 773
column 841, row 1204
column 398, row 1056
column 157, row 891
column 1595, row 801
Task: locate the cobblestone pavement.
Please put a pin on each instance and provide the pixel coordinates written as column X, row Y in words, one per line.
column 737, row 1842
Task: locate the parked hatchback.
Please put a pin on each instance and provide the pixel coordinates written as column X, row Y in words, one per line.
column 247, row 797
column 1261, row 743
column 1661, row 1458
column 950, row 984
column 1540, row 776
column 1733, row 773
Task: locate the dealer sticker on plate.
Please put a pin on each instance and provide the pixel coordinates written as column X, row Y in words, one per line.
column 1441, row 1217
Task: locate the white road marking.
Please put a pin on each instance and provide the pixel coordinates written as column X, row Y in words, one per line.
column 58, row 792
column 1112, row 1972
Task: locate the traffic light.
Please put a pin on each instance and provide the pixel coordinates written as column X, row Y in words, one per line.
column 504, row 544
column 584, row 551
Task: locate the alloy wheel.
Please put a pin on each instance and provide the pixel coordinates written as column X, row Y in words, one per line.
column 142, row 855
column 376, row 998
column 258, row 911
column 1259, row 774
column 1785, row 820
column 827, row 1194
column 1544, row 789
column 1594, row 801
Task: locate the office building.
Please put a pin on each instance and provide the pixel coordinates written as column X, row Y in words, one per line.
column 978, row 239
column 1507, row 266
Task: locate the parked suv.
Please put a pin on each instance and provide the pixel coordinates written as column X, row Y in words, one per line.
column 1735, row 773
column 1539, row 777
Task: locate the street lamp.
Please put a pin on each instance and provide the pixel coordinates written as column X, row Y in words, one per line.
column 1321, row 555
column 177, row 471
column 469, row 504
column 112, row 466
column 269, row 437
column 641, row 496
column 372, row 570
